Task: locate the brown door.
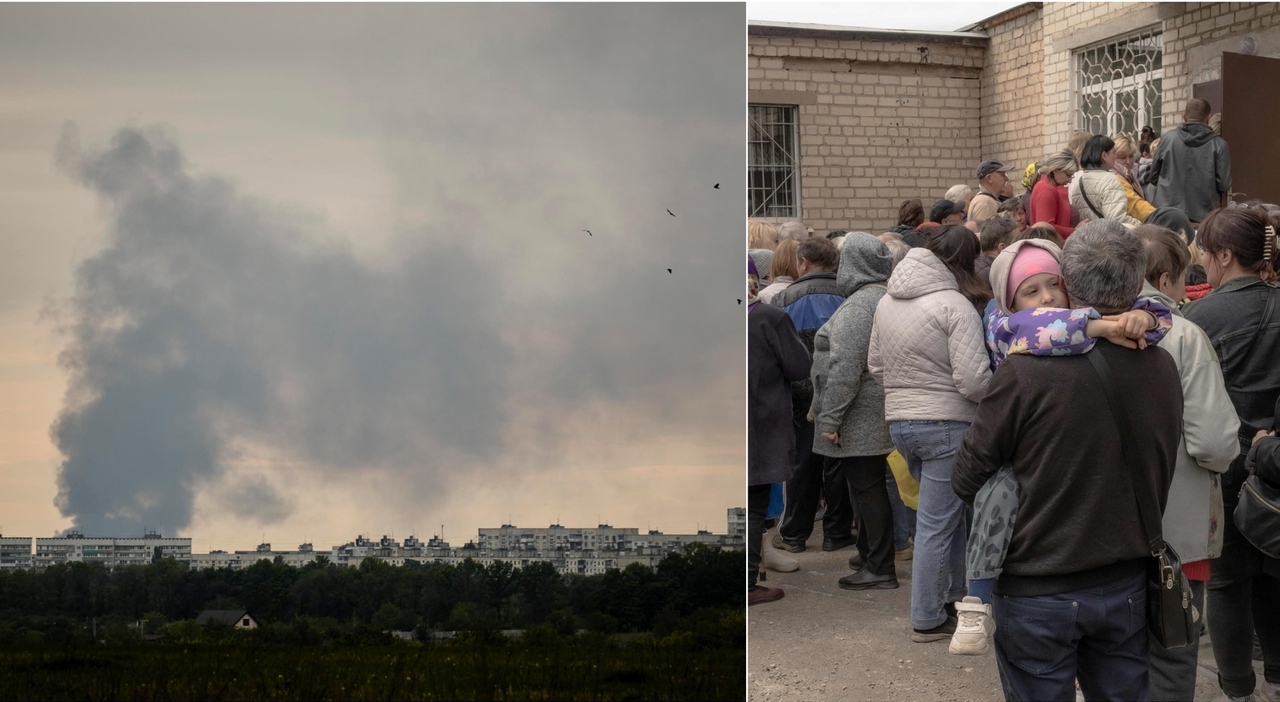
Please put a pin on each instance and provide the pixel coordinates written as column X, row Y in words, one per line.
column 1250, row 115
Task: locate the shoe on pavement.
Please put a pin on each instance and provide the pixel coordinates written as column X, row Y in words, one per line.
column 835, row 544
column 905, row 554
column 866, row 580
column 1267, row 692
column 856, row 563
column 775, row 561
column 937, row 633
column 974, row 628
column 760, row 595
column 778, row 542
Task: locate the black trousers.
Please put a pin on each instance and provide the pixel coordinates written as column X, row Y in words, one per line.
column 807, row 485
column 757, row 507
column 1242, row 600
column 864, row 479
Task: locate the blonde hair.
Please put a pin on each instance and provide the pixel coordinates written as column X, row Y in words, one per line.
column 761, row 235
column 785, row 261
column 1124, row 146
column 1064, row 161
column 1078, row 140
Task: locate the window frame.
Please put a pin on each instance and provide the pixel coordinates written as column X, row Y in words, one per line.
column 794, row 178
column 1112, row 89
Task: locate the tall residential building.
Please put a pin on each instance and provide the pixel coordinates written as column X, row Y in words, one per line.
column 74, row 546
column 738, row 523
column 15, row 552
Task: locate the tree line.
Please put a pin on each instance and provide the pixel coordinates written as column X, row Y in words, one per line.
column 692, row 588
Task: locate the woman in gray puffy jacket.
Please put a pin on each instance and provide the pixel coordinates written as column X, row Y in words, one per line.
column 848, row 408
column 927, row 351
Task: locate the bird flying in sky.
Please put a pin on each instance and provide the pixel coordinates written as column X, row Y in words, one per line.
column 673, row 214
column 588, row 231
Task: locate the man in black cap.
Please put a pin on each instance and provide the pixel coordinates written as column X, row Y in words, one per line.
column 943, row 212
column 991, row 180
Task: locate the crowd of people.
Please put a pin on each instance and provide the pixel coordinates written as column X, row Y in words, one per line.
column 997, row 348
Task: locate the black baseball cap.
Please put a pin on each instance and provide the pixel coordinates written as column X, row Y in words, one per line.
column 944, row 208
column 986, row 168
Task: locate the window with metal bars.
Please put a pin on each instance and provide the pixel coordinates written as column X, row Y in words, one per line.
column 773, row 164
column 1119, row 85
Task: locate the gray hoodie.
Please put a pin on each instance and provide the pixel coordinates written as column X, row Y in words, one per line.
column 927, row 344
column 1191, row 170
column 847, row 399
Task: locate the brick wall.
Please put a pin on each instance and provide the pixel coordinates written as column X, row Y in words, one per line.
column 1064, row 22
column 1195, row 39
column 1013, row 90
column 889, row 120
column 882, row 121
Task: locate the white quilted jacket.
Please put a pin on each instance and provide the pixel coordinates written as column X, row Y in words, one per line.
column 927, row 344
column 1105, row 192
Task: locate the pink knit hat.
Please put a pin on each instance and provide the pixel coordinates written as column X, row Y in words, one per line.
column 1030, row 261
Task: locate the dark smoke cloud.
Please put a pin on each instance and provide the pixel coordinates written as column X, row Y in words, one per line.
column 210, row 319
column 217, row 334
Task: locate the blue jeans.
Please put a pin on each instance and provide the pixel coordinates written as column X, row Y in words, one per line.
column 904, row 518
column 1098, row 634
column 937, row 571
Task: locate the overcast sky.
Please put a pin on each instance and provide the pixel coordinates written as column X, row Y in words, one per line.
column 932, row 16
column 294, row 272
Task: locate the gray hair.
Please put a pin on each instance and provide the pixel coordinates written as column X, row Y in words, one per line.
column 898, row 249
column 959, row 193
column 1103, row 265
column 795, row 231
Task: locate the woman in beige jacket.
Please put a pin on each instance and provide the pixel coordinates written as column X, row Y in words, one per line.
column 927, row 351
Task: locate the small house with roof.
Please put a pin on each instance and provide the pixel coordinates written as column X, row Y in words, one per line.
column 237, row 618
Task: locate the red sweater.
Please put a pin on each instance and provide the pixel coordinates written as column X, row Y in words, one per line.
column 1049, row 203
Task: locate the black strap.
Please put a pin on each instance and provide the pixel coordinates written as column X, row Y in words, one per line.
column 1150, row 522
column 1089, row 202
column 1267, row 310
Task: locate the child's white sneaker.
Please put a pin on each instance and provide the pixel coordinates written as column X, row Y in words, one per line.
column 974, row 628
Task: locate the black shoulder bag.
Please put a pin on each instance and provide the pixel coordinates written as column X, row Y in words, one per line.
column 1171, row 618
column 1089, row 202
column 1257, row 515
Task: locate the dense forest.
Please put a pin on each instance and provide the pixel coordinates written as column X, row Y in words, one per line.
column 697, row 590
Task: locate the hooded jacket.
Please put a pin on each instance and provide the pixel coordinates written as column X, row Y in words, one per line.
column 847, row 400
column 1105, row 192
column 926, row 345
column 1191, row 170
column 1193, row 515
column 1047, row 331
column 1002, row 266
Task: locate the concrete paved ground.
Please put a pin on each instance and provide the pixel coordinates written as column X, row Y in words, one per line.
column 823, row 643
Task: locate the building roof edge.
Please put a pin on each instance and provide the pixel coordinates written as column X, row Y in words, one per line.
column 828, row 31
column 1002, row 17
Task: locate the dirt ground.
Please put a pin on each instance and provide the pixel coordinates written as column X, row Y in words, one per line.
column 823, row 643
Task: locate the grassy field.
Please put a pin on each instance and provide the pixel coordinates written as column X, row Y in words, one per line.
column 587, row 669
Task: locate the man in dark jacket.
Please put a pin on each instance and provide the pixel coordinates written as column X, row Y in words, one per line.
column 775, row 358
column 810, row 302
column 1073, row 590
column 1192, row 167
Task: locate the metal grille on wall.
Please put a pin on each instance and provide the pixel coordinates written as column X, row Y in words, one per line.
column 1119, row 85
column 772, row 168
